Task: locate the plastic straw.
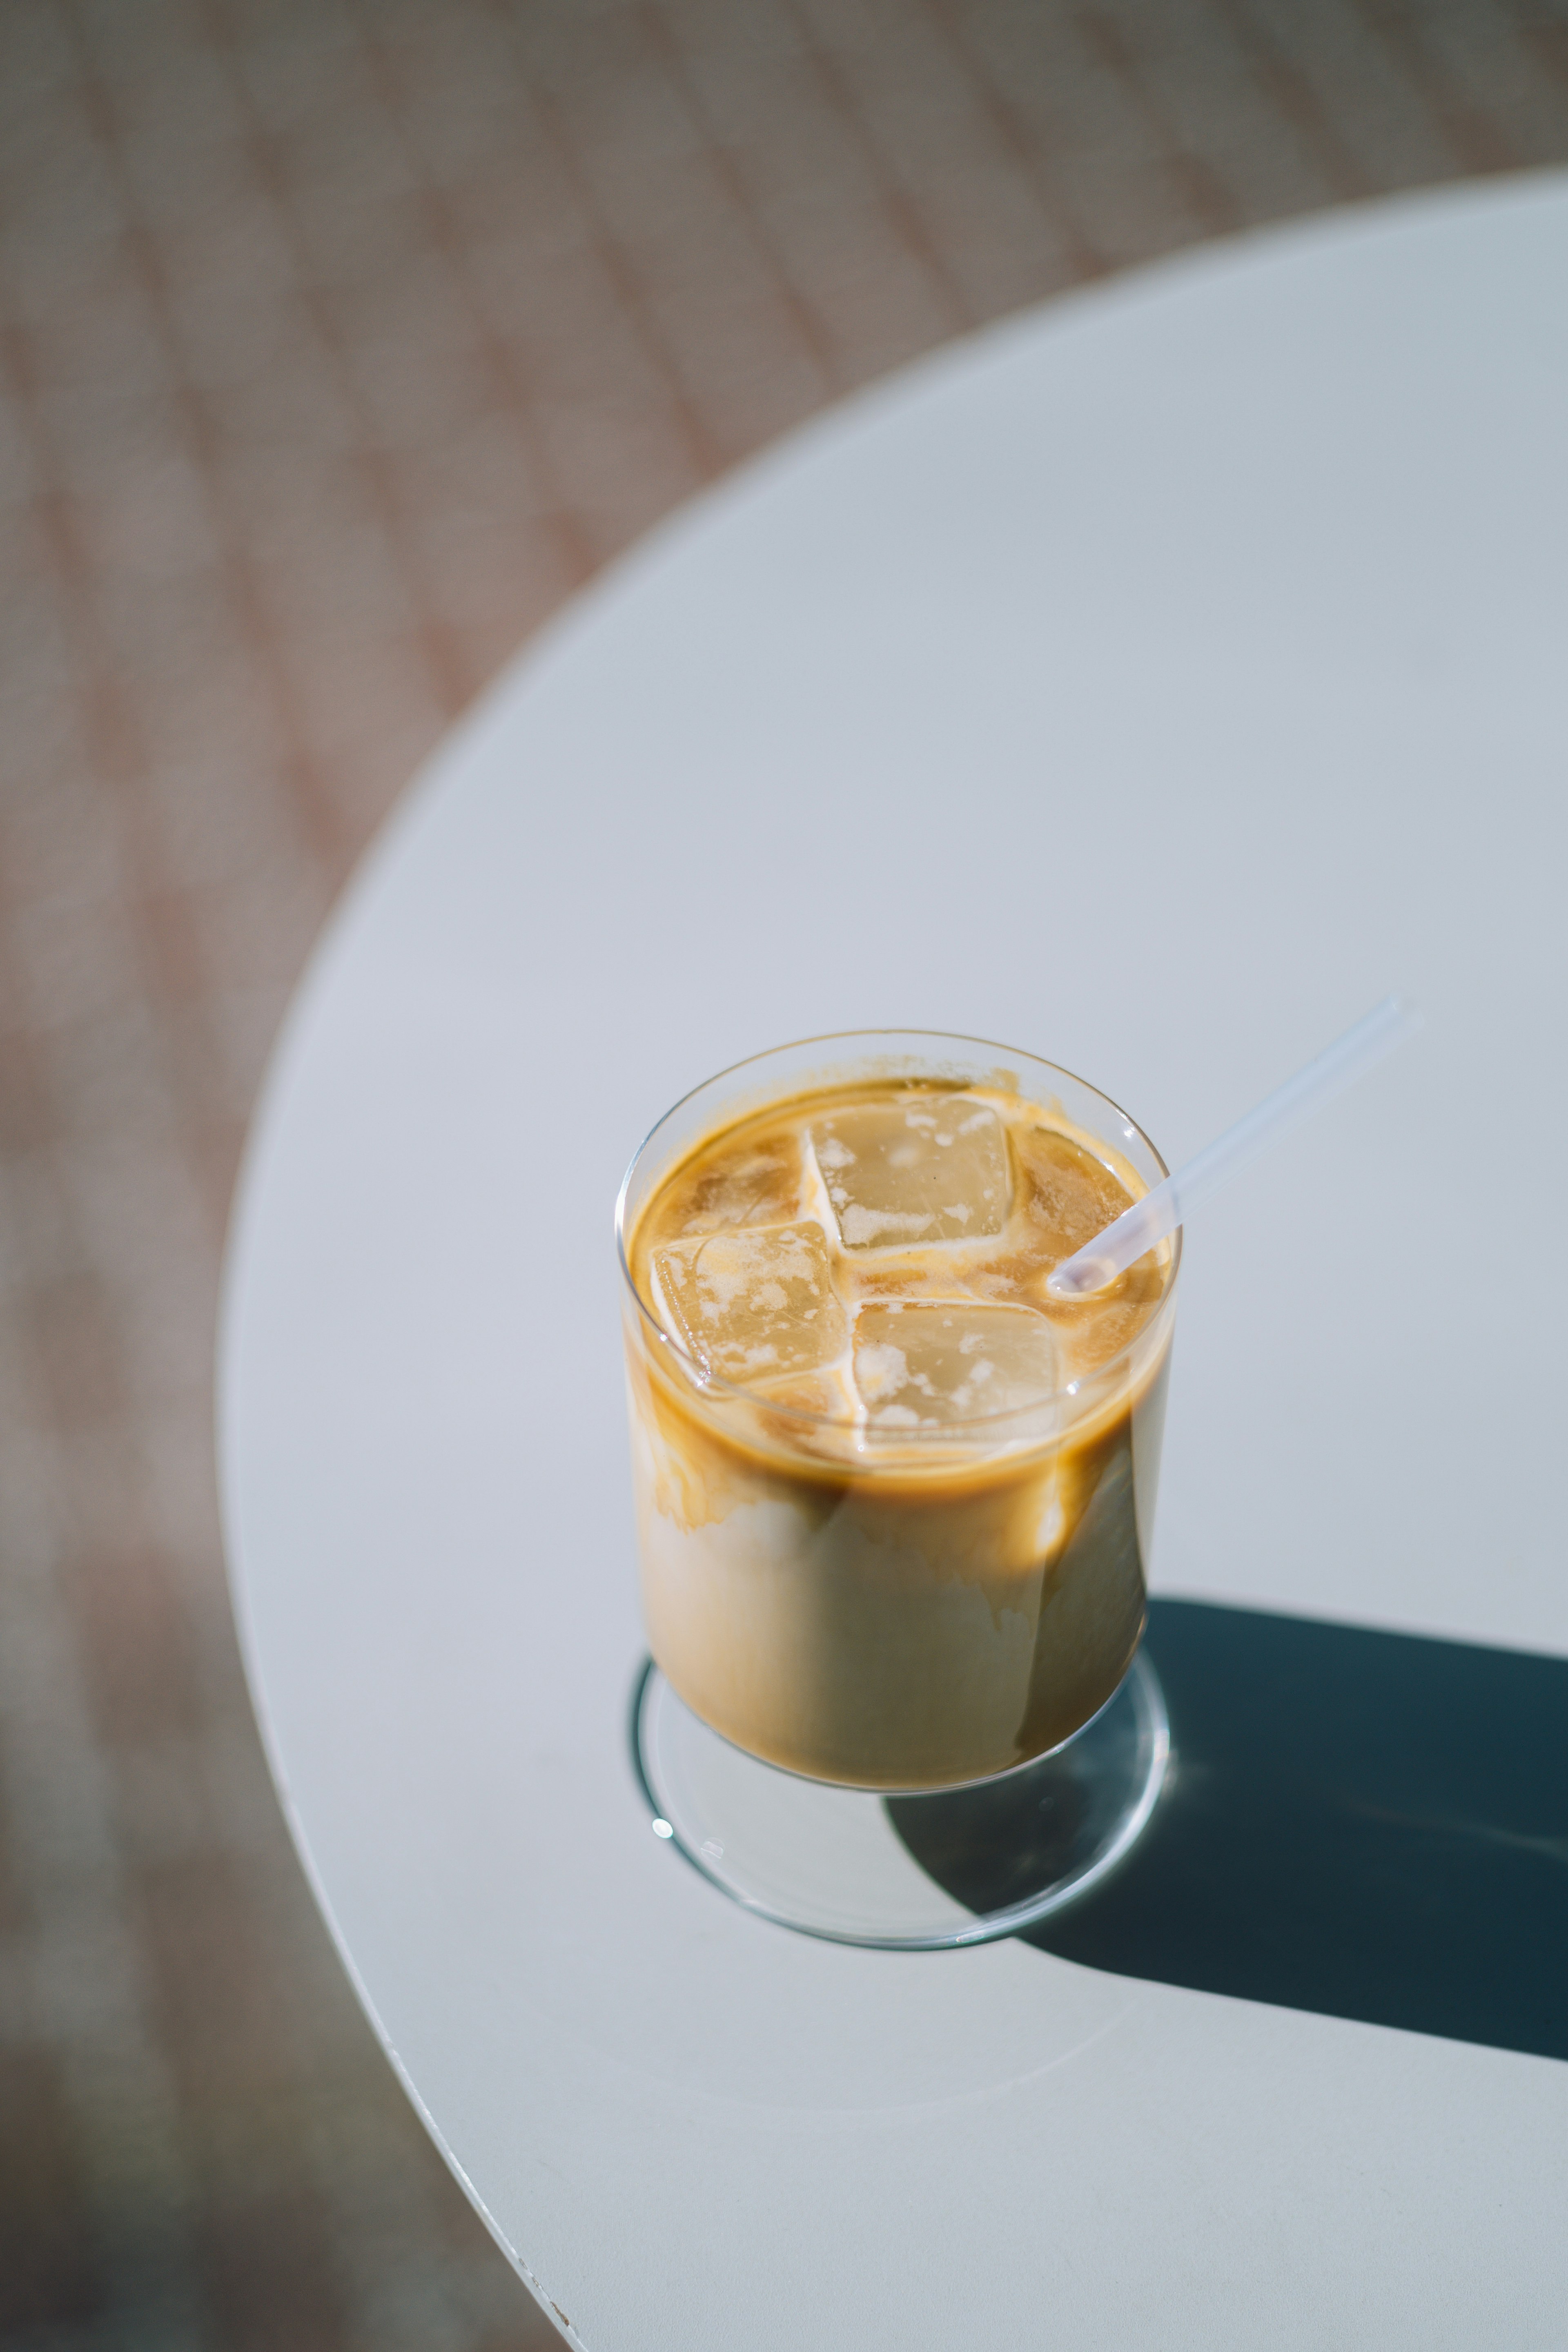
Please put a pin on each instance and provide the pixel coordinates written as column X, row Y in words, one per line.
column 1160, row 1212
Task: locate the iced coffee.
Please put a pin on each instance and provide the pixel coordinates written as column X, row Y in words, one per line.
column 893, row 1499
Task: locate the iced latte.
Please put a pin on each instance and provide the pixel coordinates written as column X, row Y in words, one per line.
column 893, row 1499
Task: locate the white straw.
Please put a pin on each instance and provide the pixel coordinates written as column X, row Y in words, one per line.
column 1160, row 1212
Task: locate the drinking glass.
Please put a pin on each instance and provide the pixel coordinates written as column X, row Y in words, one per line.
column 894, row 1696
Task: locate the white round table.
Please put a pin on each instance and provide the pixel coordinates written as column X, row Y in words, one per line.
column 1152, row 683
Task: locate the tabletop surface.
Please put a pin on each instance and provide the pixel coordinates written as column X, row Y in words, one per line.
column 1151, row 683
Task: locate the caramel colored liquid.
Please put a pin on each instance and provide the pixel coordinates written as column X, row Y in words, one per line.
column 893, row 1499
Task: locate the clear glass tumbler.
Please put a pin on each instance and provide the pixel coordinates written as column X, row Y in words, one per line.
column 855, row 1629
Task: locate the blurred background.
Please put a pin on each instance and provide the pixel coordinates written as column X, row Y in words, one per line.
column 340, row 342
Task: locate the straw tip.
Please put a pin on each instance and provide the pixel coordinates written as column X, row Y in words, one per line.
column 1078, row 1277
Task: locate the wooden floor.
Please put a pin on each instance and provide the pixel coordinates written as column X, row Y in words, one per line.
column 340, row 341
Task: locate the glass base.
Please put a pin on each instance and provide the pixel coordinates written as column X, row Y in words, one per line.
column 908, row 1873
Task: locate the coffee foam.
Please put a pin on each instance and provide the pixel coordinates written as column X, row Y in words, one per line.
column 765, row 1172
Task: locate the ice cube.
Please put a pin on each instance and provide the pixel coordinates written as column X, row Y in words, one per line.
column 755, row 1181
column 753, row 1302
column 921, row 1362
column 919, row 1168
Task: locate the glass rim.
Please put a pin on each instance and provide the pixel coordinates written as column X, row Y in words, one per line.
column 715, row 1384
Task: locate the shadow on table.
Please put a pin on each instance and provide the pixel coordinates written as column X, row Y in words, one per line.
column 1370, row 1825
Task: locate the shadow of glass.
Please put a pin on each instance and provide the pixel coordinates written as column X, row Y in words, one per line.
column 1369, row 1825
